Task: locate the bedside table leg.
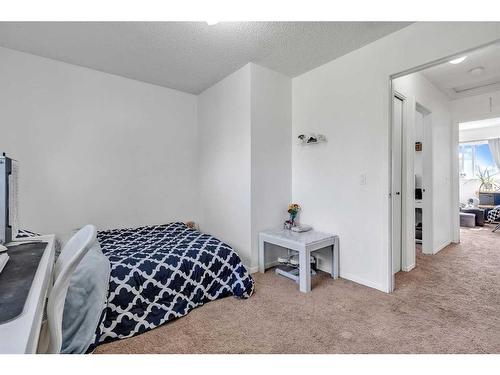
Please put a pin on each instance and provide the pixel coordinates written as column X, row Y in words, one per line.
column 262, row 265
column 335, row 259
column 305, row 272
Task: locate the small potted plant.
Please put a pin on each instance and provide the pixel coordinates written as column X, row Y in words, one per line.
column 293, row 210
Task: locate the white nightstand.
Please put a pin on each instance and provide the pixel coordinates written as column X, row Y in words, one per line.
column 304, row 243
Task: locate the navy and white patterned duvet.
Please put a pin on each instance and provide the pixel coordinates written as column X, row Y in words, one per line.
column 494, row 215
column 159, row 273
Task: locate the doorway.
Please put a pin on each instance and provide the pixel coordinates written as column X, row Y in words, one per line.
column 425, row 154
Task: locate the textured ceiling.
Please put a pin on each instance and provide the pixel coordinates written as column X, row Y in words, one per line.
column 456, row 81
column 191, row 56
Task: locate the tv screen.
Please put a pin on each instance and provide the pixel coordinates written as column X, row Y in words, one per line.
column 8, row 199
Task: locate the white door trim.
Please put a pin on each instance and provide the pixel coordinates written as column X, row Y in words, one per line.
column 455, row 184
column 390, row 281
column 408, row 175
column 399, row 184
column 407, row 183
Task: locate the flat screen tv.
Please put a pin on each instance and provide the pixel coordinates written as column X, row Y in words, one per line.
column 8, row 198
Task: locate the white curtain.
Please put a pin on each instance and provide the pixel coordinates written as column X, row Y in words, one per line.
column 494, row 145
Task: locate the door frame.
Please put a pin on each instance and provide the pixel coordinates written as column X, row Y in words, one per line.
column 402, row 231
column 390, row 279
column 407, row 184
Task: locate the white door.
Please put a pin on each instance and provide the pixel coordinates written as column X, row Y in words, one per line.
column 397, row 147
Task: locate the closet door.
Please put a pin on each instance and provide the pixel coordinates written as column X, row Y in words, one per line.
column 397, row 148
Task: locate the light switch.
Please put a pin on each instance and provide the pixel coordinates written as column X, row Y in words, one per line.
column 362, row 179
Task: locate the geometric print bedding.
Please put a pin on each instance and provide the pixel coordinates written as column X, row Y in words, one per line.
column 494, row 215
column 161, row 272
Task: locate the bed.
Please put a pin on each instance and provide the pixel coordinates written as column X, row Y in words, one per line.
column 159, row 273
column 137, row 279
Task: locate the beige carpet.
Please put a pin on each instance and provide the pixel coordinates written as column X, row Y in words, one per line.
column 450, row 303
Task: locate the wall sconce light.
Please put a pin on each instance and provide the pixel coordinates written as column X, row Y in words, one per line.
column 311, row 138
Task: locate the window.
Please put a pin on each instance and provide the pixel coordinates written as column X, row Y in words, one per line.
column 475, row 156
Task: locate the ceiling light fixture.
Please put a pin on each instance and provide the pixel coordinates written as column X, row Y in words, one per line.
column 211, row 23
column 458, row 60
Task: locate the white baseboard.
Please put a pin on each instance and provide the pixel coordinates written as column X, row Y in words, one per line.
column 442, row 246
column 409, row 268
column 343, row 275
column 362, row 281
column 255, row 269
column 252, row 269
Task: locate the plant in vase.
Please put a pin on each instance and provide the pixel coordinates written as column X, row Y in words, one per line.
column 293, row 210
column 488, row 182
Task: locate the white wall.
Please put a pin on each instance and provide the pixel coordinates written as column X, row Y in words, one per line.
column 479, row 134
column 96, row 148
column 245, row 157
column 468, row 189
column 271, row 100
column 348, row 100
column 225, row 164
column 424, row 93
column 477, row 107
